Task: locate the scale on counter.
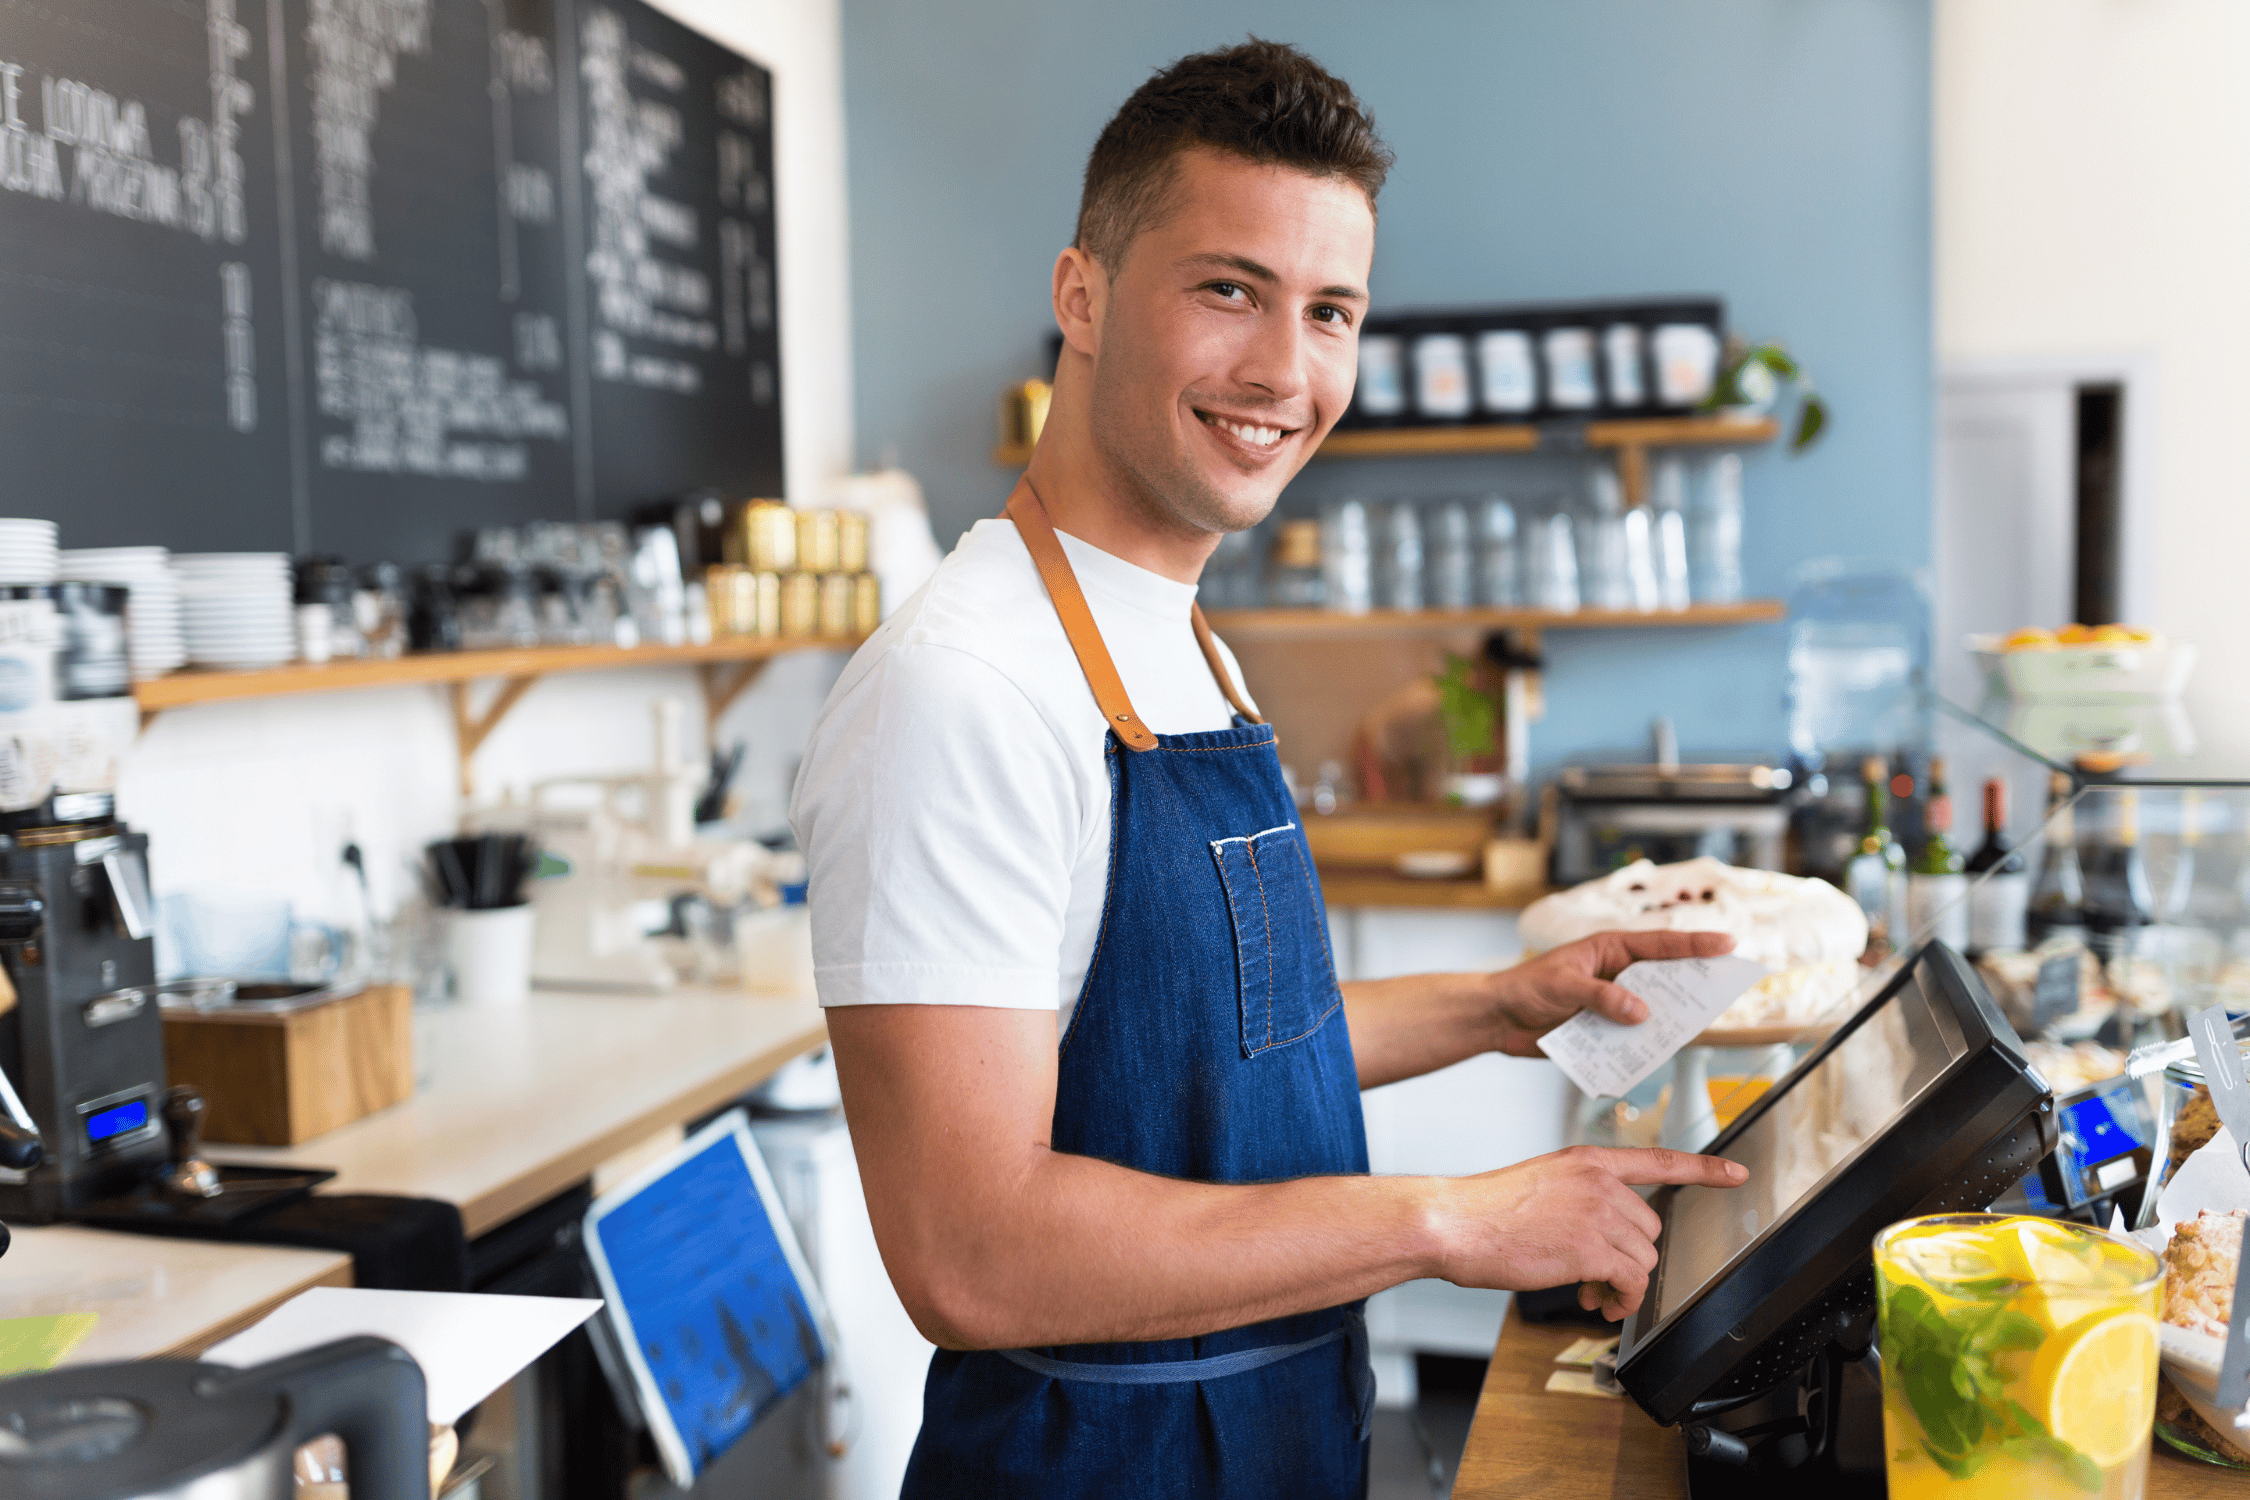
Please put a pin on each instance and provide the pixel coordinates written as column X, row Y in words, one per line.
column 1760, row 1313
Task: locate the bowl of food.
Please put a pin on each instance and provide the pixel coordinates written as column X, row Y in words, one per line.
column 2086, row 662
column 1807, row 932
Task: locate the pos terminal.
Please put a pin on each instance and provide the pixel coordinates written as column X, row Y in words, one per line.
column 1757, row 1334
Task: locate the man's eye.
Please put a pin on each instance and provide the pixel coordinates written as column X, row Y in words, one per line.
column 1329, row 313
column 1226, row 288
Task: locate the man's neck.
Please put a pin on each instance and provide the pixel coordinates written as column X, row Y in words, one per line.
column 1087, row 495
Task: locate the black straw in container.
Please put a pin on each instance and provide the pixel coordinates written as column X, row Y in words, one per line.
column 482, row 872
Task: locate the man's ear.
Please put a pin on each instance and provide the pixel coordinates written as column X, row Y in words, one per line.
column 1081, row 300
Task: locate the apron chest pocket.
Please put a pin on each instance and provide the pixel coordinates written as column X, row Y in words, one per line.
column 1284, row 976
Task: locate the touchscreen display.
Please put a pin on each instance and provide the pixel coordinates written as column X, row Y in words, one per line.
column 1842, row 1102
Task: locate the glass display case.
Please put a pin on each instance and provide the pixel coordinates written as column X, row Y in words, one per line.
column 2121, row 907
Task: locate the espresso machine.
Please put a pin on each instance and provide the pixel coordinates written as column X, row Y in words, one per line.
column 82, row 1037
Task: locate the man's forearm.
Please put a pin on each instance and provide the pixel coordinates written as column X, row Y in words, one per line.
column 1084, row 1251
column 1403, row 1028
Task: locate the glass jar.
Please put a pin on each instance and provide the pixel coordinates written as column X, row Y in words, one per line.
column 2186, row 1120
column 1293, row 578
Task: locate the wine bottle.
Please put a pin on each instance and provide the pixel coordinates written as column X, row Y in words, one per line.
column 1876, row 875
column 2058, row 896
column 2118, row 896
column 1999, row 882
column 1937, row 888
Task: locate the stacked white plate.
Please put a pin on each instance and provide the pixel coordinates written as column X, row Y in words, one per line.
column 235, row 608
column 153, row 635
column 27, row 551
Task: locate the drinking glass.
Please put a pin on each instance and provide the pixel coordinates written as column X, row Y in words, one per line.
column 1347, row 557
column 1554, row 563
column 1398, row 574
column 1452, row 560
column 2019, row 1358
column 1498, row 583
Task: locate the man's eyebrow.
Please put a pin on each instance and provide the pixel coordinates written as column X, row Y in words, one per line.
column 1225, row 261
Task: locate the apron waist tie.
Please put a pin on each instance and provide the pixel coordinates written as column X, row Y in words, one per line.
column 1170, row 1371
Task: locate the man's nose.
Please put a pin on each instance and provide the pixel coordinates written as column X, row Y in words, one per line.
column 1273, row 359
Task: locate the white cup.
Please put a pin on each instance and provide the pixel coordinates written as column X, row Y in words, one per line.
column 489, row 953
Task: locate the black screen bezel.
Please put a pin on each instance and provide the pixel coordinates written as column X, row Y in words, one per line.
column 1960, row 1142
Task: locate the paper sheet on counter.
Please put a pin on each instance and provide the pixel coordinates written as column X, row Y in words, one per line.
column 468, row 1344
column 1684, row 996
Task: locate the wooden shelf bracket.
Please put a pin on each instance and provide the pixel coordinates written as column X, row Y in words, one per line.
column 471, row 729
column 722, row 685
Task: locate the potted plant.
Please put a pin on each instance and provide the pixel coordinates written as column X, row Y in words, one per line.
column 1470, row 720
column 1750, row 384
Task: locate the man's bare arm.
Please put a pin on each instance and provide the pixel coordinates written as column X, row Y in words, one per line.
column 996, row 1240
column 1403, row 1028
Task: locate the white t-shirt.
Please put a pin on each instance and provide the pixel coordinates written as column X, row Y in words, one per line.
column 954, row 805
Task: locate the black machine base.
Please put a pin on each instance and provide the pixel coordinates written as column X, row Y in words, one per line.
column 1822, row 1435
column 246, row 1190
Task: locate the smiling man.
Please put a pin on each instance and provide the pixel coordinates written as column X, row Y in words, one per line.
column 1101, row 1078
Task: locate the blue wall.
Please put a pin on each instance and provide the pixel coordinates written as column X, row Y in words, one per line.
column 1774, row 151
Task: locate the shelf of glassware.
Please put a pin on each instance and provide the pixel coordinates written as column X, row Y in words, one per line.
column 1393, row 624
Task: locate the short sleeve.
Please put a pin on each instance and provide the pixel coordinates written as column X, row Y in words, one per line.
column 940, row 815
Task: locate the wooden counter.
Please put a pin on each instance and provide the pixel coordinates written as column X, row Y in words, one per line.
column 524, row 1100
column 154, row 1296
column 1527, row 1443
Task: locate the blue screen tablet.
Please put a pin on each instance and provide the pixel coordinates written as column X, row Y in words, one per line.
column 708, row 1293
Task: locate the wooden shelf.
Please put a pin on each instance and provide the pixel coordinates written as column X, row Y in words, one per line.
column 726, row 667
column 1377, row 442
column 1375, row 888
column 201, row 685
column 1513, row 437
column 1318, row 624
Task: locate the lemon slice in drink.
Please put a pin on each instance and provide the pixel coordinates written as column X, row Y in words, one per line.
column 2094, row 1384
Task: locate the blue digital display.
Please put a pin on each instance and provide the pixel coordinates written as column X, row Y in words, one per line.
column 2097, row 1135
column 117, row 1120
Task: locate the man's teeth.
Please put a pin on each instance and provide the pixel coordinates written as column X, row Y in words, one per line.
column 1264, row 437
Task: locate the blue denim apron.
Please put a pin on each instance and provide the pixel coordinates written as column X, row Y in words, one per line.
column 1208, row 1044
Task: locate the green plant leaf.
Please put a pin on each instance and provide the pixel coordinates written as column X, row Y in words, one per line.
column 1812, row 420
column 1776, row 359
column 1470, row 716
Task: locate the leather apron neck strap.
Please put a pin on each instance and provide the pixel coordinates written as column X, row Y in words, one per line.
column 1047, row 555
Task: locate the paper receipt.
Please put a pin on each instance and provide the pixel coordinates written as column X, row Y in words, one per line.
column 1684, row 996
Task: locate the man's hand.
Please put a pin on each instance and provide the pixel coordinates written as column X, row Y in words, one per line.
column 1402, row 1028
column 1570, row 1216
column 1533, row 998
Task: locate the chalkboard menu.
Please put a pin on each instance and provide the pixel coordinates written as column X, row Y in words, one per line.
column 355, row 276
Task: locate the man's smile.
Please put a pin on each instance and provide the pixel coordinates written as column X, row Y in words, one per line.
column 1256, row 436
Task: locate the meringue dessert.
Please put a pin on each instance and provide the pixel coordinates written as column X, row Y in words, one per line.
column 1807, row 931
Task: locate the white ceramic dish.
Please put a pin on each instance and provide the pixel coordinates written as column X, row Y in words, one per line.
column 1434, row 864
column 2108, row 670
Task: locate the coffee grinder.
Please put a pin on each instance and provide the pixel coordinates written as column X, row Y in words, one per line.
column 83, row 1041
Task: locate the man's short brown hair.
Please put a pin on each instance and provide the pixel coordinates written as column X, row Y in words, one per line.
column 1266, row 101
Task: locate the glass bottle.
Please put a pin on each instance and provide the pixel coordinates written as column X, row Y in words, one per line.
column 1554, row 564
column 2118, row 896
column 1669, row 504
column 2057, row 908
column 2000, row 885
column 1937, row 887
column 1876, row 876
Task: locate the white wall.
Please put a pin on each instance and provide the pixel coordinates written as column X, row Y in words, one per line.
column 256, row 798
column 2090, row 214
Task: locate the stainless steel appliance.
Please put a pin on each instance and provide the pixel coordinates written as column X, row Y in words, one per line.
column 164, row 1429
column 1608, row 816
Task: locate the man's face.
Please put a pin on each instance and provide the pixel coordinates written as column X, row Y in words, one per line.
column 1230, row 338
